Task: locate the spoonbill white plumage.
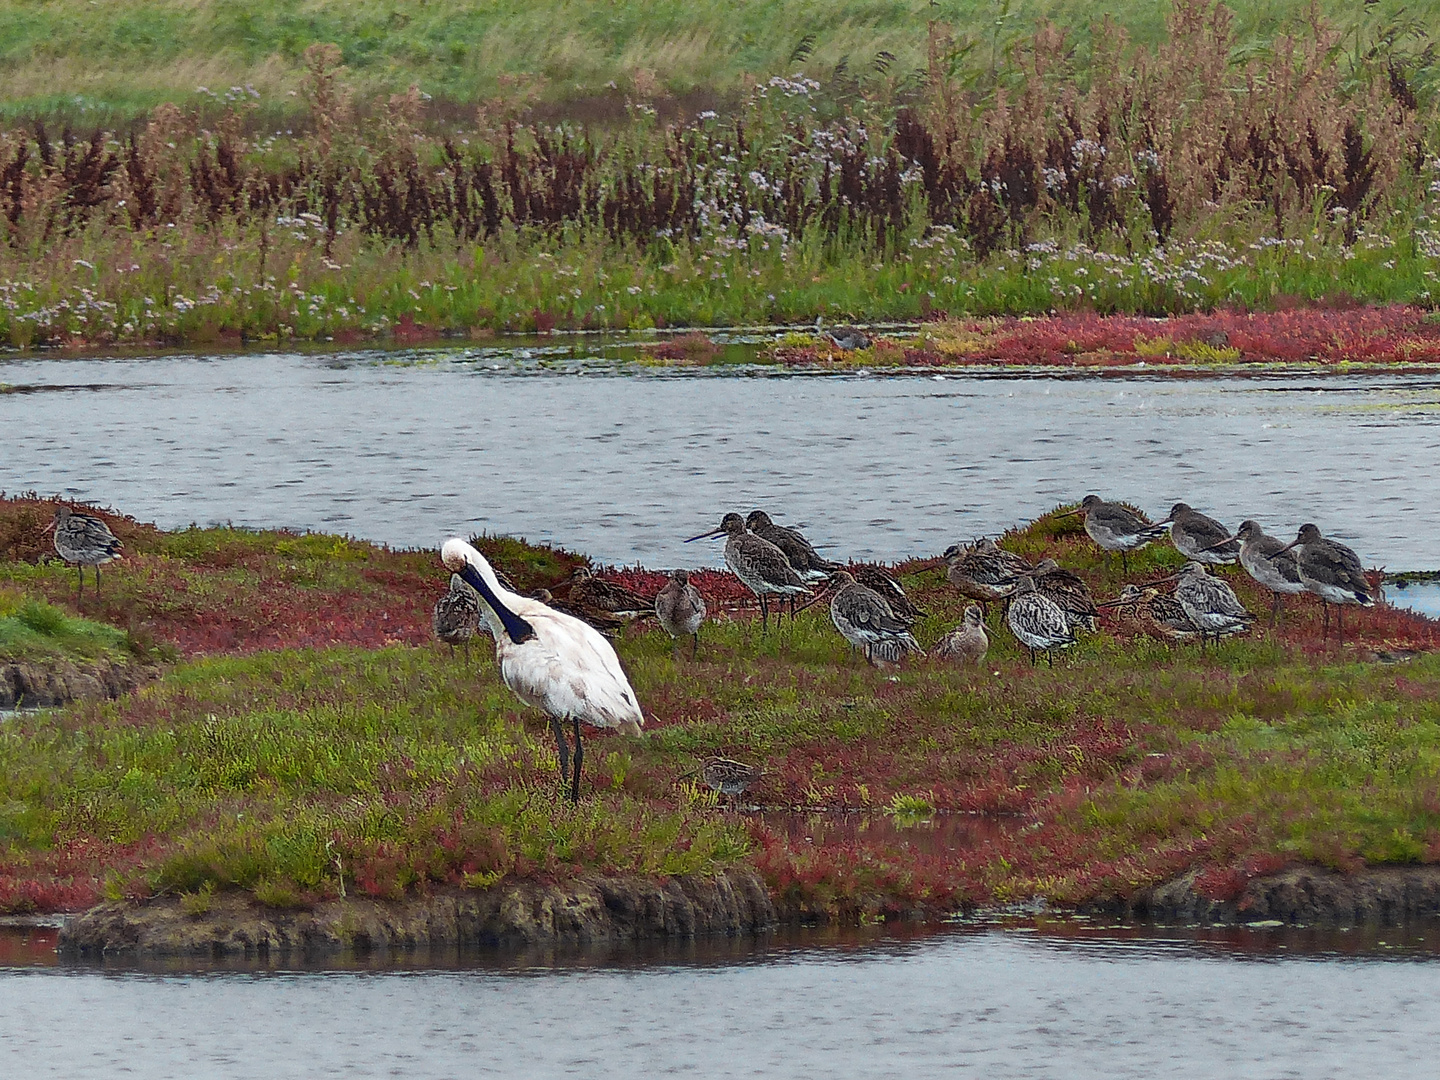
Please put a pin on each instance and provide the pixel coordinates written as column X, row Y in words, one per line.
column 550, row 660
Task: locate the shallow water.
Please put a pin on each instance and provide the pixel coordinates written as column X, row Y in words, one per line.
column 1048, row 1000
column 572, row 445
column 1422, row 596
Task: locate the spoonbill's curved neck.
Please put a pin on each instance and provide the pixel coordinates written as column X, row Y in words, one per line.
column 516, row 628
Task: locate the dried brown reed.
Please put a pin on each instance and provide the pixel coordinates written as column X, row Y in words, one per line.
column 1136, row 147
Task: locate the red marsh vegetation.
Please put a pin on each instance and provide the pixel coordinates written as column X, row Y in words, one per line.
column 316, row 742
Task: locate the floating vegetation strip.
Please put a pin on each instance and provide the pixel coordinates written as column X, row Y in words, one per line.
column 1393, row 336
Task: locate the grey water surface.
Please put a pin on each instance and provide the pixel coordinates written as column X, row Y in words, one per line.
column 1019, row 1002
column 570, row 443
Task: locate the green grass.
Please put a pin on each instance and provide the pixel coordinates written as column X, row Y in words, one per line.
column 117, row 59
column 289, row 773
column 32, row 629
column 383, row 292
column 298, row 774
column 295, row 771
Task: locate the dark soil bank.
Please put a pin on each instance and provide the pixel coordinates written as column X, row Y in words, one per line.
column 1376, row 896
column 632, row 909
column 41, row 685
column 511, row 914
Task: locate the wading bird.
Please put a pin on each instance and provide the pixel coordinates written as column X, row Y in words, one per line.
column 1150, row 612
column 727, row 777
column 1269, row 561
column 1037, row 622
column 1210, row 603
column 802, row 555
column 984, row 571
column 607, row 622
column 1199, row 538
column 85, row 540
column 901, row 606
column 760, row 565
column 865, row 620
column 845, row 338
column 550, row 661
column 681, row 610
column 1068, row 590
column 589, row 591
column 968, row 642
column 1116, row 528
column 456, row 615
column 1332, row 572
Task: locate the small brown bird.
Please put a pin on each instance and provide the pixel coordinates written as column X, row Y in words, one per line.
column 968, row 642
column 1148, row 611
column 607, row 622
column 681, row 610
column 984, row 571
column 457, row 615
column 589, row 591
column 727, row 777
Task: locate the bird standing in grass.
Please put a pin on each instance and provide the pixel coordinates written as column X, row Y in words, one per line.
column 968, row 642
column 681, row 610
column 607, row 622
column 1332, row 572
column 844, row 338
column 807, row 562
column 901, row 606
column 550, row 661
column 1151, row 612
column 1269, row 561
column 726, row 777
column 984, row 572
column 85, row 540
column 1210, row 603
column 1199, row 538
column 760, row 565
column 1116, row 528
column 456, row 615
column 1069, row 591
column 1038, row 622
column 589, row 591
column 865, row 620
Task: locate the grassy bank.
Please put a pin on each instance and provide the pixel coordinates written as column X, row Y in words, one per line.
column 391, row 766
column 1196, row 170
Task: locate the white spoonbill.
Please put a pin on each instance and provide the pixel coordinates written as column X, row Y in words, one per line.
column 550, row 660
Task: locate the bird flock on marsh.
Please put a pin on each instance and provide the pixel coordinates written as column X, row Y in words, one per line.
column 555, row 654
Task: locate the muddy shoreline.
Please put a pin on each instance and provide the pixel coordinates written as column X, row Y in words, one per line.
column 617, row 911
column 38, row 685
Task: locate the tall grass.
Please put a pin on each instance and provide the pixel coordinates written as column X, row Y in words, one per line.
column 1191, row 174
column 79, row 59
